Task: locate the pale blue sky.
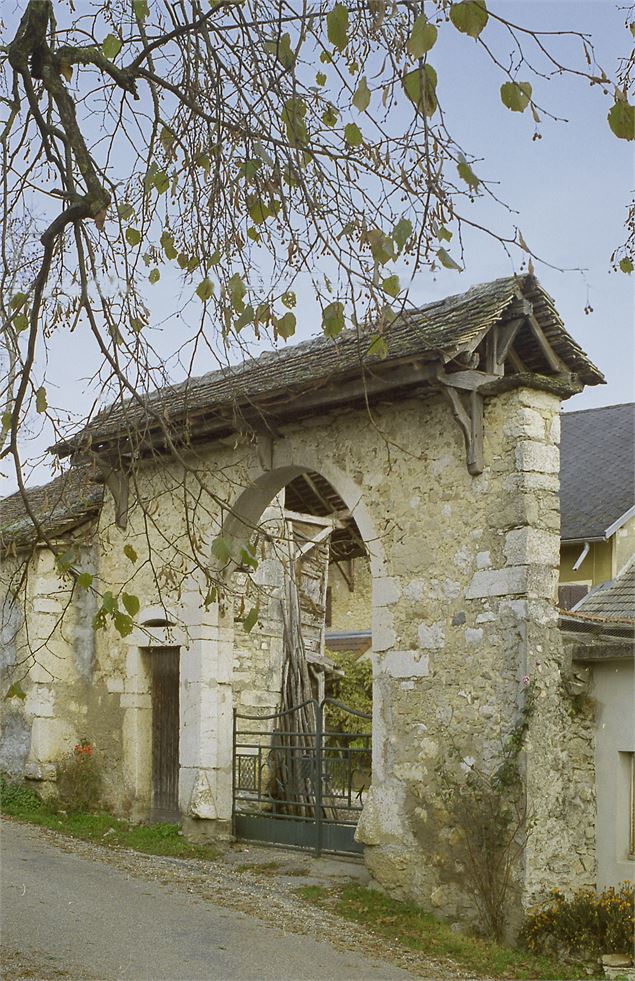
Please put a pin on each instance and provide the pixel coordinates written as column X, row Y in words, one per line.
column 570, row 188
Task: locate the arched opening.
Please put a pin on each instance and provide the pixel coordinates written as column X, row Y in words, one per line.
column 299, row 555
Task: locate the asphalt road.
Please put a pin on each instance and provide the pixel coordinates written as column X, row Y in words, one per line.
column 65, row 917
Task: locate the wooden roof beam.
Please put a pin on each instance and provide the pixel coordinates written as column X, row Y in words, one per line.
column 554, row 362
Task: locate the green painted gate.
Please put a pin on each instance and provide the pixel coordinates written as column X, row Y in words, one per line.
column 298, row 788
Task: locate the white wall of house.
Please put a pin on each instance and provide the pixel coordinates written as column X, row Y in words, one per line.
column 614, row 693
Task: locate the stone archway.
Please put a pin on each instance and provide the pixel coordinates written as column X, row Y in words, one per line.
column 205, row 790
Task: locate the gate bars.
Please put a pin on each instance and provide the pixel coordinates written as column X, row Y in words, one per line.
column 299, row 788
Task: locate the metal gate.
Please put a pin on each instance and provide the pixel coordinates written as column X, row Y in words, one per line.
column 300, row 788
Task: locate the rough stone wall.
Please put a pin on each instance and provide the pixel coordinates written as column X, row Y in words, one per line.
column 464, row 578
column 49, row 648
column 351, row 609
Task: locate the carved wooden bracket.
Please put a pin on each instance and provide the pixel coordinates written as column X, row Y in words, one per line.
column 467, row 409
column 118, row 484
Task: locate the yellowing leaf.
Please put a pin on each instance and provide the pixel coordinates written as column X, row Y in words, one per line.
column 378, row 347
column 446, row 260
column 246, row 318
column 516, row 95
column 205, row 290
column 292, row 117
column 41, row 405
column 422, row 38
column 402, row 232
column 125, row 211
column 130, row 553
column 381, row 246
column 330, row 117
column 420, row 85
column 221, row 550
column 18, row 300
column 15, row 691
column 154, row 276
column 337, row 26
column 20, row 322
column 141, row 9
column 161, row 181
column 111, row 46
column 167, row 244
column 133, row 236
column 333, row 319
column 282, row 50
column 361, row 98
column 285, row 326
column 123, row 623
column 626, row 266
column 621, row 119
column 353, row 135
column 320, row 78
column 250, row 620
column 390, row 285
column 131, row 603
column 237, row 290
column 84, row 580
column 469, row 16
column 467, row 174
column 444, row 235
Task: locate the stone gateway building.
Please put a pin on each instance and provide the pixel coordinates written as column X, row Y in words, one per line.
column 439, row 461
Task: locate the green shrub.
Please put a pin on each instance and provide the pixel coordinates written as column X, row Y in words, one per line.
column 79, row 780
column 586, row 926
column 16, row 798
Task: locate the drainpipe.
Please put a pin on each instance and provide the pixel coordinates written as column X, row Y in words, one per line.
column 581, row 557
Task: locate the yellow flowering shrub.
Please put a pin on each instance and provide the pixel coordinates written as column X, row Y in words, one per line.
column 586, row 926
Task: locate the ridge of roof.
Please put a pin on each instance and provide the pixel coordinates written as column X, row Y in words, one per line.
column 439, row 330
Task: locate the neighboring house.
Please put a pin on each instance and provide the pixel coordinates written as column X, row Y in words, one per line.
column 597, row 498
column 599, row 637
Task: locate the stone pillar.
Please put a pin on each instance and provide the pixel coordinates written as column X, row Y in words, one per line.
column 136, row 702
column 205, row 782
column 463, row 624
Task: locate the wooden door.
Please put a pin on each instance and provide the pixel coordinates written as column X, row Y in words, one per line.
column 165, row 734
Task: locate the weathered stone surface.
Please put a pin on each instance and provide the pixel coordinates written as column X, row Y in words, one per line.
column 463, row 570
column 431, row 636
column 525, row 546
column 498, row 582
column 531, row 455
column 404, row 664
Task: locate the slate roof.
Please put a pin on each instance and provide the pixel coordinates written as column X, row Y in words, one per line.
column 437, row 331
column 612, row 601
column 597, row 476
column 63, row 504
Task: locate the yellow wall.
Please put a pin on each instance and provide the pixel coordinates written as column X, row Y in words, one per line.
column 596, row 568
column 624, row 547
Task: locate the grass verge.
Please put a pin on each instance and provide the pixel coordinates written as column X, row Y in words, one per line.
column 20, row 802
column 410, row 926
